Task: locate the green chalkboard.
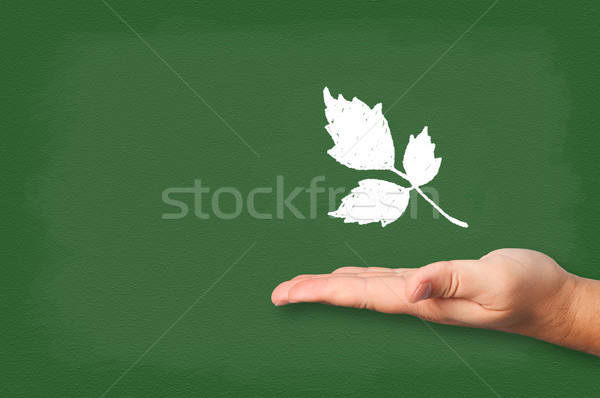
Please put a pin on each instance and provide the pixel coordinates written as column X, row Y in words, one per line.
column 105, row 106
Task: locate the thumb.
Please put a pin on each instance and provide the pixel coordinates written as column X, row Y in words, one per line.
column 465, row 279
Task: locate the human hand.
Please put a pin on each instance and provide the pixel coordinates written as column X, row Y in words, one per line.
column 514, row 290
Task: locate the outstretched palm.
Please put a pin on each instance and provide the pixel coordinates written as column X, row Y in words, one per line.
column 508, row 289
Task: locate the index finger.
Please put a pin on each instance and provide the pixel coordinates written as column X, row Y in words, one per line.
column 379, row 293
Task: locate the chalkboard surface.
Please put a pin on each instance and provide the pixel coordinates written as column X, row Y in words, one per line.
column 109, row 288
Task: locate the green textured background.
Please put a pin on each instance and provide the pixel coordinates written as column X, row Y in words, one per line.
column 95, row 127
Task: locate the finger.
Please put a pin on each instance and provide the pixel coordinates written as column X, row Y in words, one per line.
column 364, row 274
column 305, row 276
column 465, row 279
column 356, row 270
column 382, row 294
column 371, row 274
column 280, row 293
column 339, row 290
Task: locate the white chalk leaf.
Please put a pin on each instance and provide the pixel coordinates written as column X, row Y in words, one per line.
column 373, row 201
column 361, row 135
column 420, row 163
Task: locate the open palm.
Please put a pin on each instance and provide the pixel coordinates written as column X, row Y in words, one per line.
column 508, row 289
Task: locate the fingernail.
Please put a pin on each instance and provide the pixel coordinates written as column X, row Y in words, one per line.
column 281, row 302
column 423, row 292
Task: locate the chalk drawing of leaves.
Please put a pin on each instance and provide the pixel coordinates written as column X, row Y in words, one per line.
column 363, row 141
column 348, row 122
column 373, row 201
column 420, row 164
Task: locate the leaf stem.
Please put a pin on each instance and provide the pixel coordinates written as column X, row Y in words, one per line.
column 450, row 218
column 431, row 202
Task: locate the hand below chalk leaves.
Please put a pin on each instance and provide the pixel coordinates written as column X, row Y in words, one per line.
column 363, row 142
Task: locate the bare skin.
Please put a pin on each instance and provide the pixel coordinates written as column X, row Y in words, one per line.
column 512, row 290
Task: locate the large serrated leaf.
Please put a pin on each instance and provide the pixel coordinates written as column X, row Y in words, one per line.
column 361, row 135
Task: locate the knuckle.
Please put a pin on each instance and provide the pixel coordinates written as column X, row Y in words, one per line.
column 365, row 301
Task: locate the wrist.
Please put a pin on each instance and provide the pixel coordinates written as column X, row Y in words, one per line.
column 567, row 318
column 562, row 311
